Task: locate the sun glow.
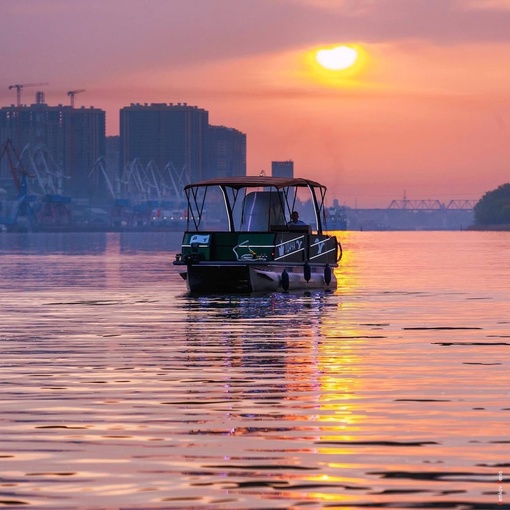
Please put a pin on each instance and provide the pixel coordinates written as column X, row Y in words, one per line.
column 337, row 66
column 337, row 58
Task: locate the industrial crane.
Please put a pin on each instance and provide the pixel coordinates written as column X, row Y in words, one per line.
column 72, row 93
column 20, row 86
column 18, row 172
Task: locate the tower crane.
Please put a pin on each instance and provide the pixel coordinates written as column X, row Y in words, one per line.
column 19, row 86
column 72, row 93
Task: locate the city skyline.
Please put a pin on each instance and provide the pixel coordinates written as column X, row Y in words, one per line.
column 426, row 111
column 160, row 148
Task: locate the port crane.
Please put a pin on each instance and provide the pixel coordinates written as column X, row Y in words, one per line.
column 72, row 93
column 19, row 86
column 18, row 172
column 21, row 214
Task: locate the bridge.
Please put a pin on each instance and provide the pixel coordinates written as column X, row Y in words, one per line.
column 432, row 205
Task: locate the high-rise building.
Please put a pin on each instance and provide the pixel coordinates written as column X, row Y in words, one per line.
column 226, row 152
column 85, row 143
column 172, row 136
column 282, row 169
column 59, row 144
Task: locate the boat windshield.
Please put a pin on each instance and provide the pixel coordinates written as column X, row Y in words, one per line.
column 261, row 210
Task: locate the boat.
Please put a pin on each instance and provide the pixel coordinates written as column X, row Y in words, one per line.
column 336, row 217
column 238, row 238
column 162, row 219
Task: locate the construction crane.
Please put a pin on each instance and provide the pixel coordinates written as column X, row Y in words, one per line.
column 72, row 93
column 20, row 86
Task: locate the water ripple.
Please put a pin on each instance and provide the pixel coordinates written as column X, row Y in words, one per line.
column 121, row 391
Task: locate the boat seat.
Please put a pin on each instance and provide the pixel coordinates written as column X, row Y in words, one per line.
column 279, row 228
column 304, row 229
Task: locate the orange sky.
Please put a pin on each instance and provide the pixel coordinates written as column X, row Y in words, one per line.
column 427, row 111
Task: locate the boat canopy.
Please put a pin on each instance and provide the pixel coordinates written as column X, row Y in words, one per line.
column 252, row 203
column 257, row 181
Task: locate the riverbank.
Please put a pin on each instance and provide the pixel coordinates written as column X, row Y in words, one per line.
column 505, row 227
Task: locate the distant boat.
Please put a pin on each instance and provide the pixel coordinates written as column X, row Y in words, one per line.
column 238, row 238
column 336, row 218
column 162, row 219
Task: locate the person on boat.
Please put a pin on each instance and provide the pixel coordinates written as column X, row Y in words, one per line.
column 294, row 219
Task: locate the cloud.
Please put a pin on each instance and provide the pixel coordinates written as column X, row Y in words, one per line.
column 118, row 33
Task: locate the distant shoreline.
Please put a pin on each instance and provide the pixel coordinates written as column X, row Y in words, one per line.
column 505, row 227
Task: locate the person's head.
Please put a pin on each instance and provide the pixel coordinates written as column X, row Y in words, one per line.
column 294, row 216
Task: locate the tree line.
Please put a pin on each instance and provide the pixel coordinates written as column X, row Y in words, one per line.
column 493, row 209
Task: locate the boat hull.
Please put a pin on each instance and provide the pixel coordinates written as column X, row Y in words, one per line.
column 247, row 278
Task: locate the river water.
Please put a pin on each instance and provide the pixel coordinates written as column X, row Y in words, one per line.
column 118, row 390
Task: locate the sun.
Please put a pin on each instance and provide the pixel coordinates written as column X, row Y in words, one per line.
column 337, row 58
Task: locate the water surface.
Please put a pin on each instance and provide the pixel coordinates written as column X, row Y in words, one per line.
column 118, row 390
